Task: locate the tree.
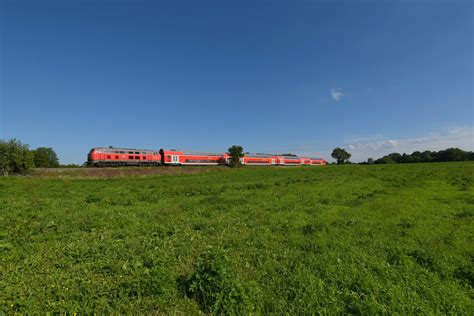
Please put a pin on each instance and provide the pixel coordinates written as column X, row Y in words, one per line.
column 341, row 155
column 406, row 158
column 15, row 157
column 45, row 157
column 235, row 152
column 452, row 154
column 370, row 161
column 416, row 156
column 385, row 160
column 395, row 157
column 426, row 156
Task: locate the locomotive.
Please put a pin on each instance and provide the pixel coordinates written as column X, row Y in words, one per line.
column 116, row 157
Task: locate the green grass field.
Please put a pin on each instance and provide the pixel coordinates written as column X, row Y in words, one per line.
column 335, row 239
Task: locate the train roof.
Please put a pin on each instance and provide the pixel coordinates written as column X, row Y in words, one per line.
column 124, row 149
column 252, row 155
column 197, row 153
column 259, row 155
column 193, row 153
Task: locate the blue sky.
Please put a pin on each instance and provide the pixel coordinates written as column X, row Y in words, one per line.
column 273, row 76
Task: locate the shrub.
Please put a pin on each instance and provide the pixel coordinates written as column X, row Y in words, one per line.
column 15, row 157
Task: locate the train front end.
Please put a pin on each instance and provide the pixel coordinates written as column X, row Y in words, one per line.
column 93, row 158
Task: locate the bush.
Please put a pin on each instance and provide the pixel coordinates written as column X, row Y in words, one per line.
column 15, row 157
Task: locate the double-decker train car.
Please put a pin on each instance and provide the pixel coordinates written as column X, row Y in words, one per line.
column 116, row 157
column 259, row 160
column 176, row 157
column 317, row 162
column 289, row 160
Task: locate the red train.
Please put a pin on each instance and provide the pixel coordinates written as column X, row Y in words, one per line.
column 115, row 157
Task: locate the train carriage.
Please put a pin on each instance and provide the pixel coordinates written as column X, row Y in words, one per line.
column 317, row 162
column 289, row 160
column 308, row 161
column 176, row 157
column 259, row 160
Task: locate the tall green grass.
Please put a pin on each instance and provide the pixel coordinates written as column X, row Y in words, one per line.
column 335, row 239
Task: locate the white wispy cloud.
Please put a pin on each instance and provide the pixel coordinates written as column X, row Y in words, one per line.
column 337, row 94
column 461, row 137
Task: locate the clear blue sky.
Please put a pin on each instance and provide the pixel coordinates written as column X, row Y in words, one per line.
column 272, row 76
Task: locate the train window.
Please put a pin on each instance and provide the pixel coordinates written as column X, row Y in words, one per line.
column 144, row 157
column 169, row 157
column 137, row 157
column 130, row 152
column 116, row 156
column 108, row 156
column 137, row 152
column 130, row 157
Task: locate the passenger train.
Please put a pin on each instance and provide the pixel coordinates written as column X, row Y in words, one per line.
column 116, row 157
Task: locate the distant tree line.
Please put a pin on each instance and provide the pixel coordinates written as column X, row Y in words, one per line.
column 450, row 154
column 17, row 158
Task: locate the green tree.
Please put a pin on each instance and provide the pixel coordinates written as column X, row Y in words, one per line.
column 426, row 156
column 370, row 161
column 15, row 157
column 416, row 156
column 235, row 152
column 45, row 157
column 395, row 157
column 385, row 160
column 453, row 154
column 341, row 155
column 406, row 158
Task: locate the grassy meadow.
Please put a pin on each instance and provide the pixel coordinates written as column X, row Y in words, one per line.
column 295, row 240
